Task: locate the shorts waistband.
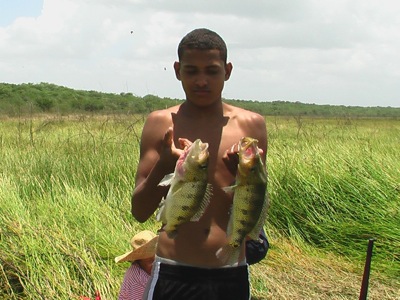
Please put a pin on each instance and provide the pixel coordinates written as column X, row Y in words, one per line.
column 172, row 262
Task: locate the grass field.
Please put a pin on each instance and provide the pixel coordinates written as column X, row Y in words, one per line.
column 65, row 186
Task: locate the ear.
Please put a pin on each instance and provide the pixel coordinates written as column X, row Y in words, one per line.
column 177, row 70
column 228, row 70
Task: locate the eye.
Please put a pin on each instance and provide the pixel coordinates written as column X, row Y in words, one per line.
column 212, row 72
column 190, row 72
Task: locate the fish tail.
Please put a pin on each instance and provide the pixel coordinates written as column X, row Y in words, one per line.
column 171, row 230
column 172, row 234
column 161, row 211
column 228, row 254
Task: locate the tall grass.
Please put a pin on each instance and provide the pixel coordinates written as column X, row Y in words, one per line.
column 65, row 186
column 336, row 185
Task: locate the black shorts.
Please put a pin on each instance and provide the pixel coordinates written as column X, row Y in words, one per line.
column 175, row 282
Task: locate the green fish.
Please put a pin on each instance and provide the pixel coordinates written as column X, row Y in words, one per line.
column 250, row 201
column 189, row 193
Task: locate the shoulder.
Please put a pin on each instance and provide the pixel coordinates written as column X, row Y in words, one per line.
column 157, row 123
column 163, row 115
column 243, row 116
column 248, row 123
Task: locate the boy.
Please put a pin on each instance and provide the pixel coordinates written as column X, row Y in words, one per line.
column 186, row 267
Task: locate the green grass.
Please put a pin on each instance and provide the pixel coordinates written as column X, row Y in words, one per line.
column 336, row 188
column 65, row 186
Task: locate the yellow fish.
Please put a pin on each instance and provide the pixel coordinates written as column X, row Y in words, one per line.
column 250, row 201
column 189, row 192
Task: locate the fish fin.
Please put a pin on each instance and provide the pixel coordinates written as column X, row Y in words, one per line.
column 161, row 211
column 170, row 230
column 204, row 204
column 229, row 189
column 264, row 175
column 228, row 254
column 166, row 180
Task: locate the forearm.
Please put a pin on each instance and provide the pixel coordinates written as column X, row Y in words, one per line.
column 147, row 194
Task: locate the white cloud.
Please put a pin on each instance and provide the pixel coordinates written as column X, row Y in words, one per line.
column 337, row 52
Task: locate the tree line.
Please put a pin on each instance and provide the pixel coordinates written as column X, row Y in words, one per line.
column 29, row 98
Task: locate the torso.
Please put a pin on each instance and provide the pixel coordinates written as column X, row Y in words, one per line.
column 197, row 242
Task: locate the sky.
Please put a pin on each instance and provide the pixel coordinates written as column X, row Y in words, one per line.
column 337, row 52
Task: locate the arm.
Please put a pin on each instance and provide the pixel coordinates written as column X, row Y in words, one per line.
column 157, row 158
column 260, row 132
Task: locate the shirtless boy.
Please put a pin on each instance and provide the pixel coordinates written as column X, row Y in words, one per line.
column 186, row 267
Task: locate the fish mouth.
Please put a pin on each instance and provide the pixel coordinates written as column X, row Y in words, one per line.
column 199, row 152
column 248, row 150
column 203, row 155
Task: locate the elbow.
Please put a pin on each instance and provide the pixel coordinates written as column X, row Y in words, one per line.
column 141, row 208
column 140, row 217
column 138, row 213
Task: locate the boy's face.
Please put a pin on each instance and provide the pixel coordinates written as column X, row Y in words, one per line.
column 203, row 74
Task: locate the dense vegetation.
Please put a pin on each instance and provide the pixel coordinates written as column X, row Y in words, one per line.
column 65, row 185
column 49, row 98
column 67, row 164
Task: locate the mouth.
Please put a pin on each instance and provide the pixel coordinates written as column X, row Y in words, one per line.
column 201, row 92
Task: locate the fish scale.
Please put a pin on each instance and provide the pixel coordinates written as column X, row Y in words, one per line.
column 250, row 201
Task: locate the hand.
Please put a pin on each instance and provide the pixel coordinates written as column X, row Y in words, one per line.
column 169, row 153
column 184, row 143
column 231, row 157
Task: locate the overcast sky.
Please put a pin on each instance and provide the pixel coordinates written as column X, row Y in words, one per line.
column 340, row 52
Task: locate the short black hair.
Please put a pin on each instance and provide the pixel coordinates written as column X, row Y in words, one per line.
column 203, row 39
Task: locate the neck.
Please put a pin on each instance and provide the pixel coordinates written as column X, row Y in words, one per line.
column 209, row 111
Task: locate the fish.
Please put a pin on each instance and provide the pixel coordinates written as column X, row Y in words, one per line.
column 250, row 201
column 189, row 192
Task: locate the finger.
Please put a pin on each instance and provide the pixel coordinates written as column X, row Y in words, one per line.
column 225, row 155
column 168, row 137
column 234, row 149
column 184, row 143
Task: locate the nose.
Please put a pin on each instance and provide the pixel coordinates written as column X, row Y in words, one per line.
column 201, row 80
